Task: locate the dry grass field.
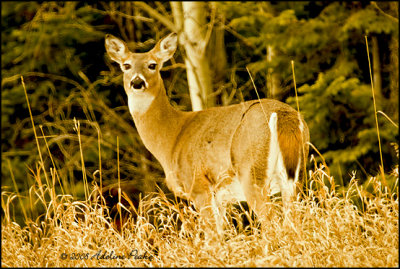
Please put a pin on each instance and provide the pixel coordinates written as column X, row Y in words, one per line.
column 49, row 224
column 323, row 229
column 327, row 226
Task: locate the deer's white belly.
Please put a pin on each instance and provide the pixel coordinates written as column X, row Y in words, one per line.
column 230, row 193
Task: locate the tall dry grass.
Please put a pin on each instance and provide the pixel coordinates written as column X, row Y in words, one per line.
column 328, row 225
column 325, row 228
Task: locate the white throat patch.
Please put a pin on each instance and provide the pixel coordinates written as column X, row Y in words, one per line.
column 139, row 102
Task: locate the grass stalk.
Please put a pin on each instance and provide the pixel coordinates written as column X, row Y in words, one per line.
column 119, row 184
column 295, row 87
column 99, row 146
column 17, row 191
column 52, row 160
column 375, row 113
column 255, row 88
column 85, row 183
column 37, row 140
column 298, row 111
column 389, row 119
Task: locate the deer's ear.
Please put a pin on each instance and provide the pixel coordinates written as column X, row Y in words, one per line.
column 116, row 49
column 166, row 47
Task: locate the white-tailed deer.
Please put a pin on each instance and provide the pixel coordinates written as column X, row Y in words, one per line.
column 241, row 152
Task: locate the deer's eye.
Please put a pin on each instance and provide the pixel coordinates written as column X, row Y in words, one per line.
column 152, row 66
column 127, row 66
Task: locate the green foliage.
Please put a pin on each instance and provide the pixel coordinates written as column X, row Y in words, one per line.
column 326, row 43
column 58, row 47
column 367, row 21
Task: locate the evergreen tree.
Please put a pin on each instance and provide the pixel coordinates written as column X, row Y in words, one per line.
column 326, row 42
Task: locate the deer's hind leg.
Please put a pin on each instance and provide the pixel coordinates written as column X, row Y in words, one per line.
column 257, row 189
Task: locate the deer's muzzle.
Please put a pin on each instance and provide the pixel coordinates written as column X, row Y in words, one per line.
column 138, row 84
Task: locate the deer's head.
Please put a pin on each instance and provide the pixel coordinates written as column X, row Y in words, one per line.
column 141, row 70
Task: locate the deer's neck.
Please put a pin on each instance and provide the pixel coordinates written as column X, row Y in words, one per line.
column 157, row 122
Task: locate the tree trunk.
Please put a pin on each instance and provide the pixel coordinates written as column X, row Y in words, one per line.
column 216, row 53
column 216, row 49
column 273, row 81
column 197, row 65
column 376, row 68
column 394, row 68
column 177, row 13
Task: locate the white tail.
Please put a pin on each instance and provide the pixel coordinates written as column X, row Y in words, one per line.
column 243, row 151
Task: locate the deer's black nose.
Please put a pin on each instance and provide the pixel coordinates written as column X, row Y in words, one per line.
column 137, row 83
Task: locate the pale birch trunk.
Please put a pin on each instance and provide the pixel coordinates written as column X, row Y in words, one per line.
column 190, row 17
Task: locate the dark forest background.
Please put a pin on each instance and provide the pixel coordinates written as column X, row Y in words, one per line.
column 58, row 48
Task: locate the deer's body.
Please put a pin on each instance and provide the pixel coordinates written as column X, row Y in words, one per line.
column 238, row 152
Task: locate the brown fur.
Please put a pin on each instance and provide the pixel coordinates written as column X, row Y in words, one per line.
column 292, row 142
column 289, row 138
column 198, row 150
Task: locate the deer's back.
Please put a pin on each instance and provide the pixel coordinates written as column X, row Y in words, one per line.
column 213, row 143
